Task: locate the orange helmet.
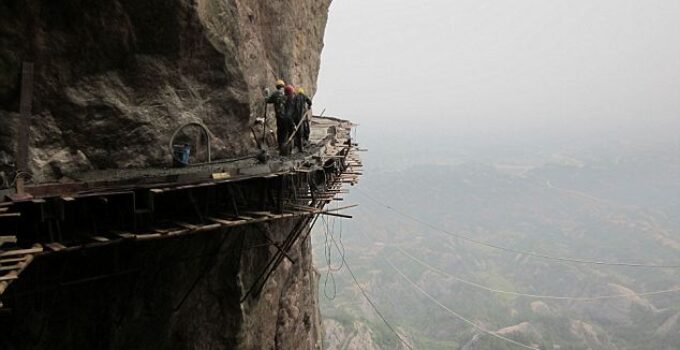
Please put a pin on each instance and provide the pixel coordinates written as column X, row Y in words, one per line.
column 289, row 90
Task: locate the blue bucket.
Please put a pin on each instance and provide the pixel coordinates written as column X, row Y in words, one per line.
column 182, row 153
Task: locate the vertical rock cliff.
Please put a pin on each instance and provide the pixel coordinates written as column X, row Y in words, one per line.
column 113, row 80
column 179, row 293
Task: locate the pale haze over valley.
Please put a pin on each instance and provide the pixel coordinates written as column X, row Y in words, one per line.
column 539, row 126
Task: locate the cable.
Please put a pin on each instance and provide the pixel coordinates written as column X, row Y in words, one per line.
column 537, row 296
column 457, row 315
column 513, row 250
column 375, row 308
column 329, row 265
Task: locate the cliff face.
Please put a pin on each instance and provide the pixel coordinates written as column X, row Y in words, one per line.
column 115, row 78
column 178, row 293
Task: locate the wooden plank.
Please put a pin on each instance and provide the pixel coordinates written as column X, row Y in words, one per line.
column 100, row 239
column 227, row 222
column 208, row 227
column 221, row 176
column 10, row 215
column 8, row 239
column 9, row 277
column 178, row 232
column 185, row 225
column 20, row 252
column 55, row 246
column 11, row 267
column 148, row 236
column 125, row 235
column 12, row 260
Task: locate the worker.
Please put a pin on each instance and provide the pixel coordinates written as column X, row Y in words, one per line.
column 278, row 99
column 303, row 104
column 285, row 124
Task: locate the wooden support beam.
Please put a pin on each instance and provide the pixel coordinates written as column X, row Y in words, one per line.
column 11, row 267
column 21, row 252
column 3, row 287
column 12, row 260
column 8, row 239
column 336, row 214
column 9, row 277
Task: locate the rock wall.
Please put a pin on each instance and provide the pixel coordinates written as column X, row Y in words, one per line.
column 180, row 293
column 115, row 78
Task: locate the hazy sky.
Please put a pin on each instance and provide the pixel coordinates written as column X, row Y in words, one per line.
column 533, row 63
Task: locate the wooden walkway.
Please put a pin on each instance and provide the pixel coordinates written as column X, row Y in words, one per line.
column 59, row 219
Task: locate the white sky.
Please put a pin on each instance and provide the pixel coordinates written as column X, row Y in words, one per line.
column 500, row 63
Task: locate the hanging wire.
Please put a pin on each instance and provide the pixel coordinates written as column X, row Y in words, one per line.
column 327, row 255
column 369, row 300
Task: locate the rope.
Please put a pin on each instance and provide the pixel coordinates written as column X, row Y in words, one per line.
column 513, row 250
column 457, row 315
column 329, row 231
column 329, row 264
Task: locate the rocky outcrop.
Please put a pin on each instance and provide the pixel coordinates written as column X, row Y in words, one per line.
column 115, row 78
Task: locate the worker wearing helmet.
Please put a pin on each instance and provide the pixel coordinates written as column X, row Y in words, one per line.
column 277, row 98
column 302, row 105
column 284, row 123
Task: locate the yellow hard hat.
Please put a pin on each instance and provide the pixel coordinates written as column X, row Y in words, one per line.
column 280, row 83
column 300, row 90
